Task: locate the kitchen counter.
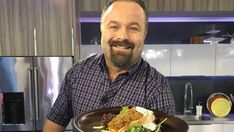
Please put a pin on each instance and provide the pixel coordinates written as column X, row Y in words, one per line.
column 207, row 119
column 207, row 122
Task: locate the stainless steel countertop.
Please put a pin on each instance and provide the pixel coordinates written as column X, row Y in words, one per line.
column 207, row 119
column 209, row 122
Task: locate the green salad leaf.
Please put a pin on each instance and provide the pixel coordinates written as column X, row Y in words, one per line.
column 137, row 128
column 123, row 110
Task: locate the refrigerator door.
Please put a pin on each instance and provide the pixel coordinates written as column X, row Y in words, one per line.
column 16, row 93
column 49, row 73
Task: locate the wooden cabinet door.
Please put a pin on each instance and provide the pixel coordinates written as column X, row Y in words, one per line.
column 54, row 21
column 16, row 27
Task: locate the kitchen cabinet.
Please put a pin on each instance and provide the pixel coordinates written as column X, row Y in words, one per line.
column 37, row 27
column 190, row 60
column 228, row 127
column 212, row 128
column 16, row 27
column 206, row 128
column 183, row 60
column 225, row 59
column 54, row 23
column 0, row 48
column 158, row 56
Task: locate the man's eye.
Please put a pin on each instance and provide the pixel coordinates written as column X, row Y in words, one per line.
column 134, row 29
column 113, row 27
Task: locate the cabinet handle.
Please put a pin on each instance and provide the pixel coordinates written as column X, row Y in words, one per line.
column 35, row 41
column 72, row 33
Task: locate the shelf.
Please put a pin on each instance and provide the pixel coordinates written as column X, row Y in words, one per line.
column 175, row 16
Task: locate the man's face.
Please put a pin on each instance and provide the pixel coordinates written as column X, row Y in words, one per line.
column 123, row 31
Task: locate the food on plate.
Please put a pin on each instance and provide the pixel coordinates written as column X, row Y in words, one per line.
column 135, row 119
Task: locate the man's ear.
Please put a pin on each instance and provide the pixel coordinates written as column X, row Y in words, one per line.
column 145, row 34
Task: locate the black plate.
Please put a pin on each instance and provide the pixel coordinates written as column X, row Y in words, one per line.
column 86, row 121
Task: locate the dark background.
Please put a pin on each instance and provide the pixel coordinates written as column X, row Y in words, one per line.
column 166, row 32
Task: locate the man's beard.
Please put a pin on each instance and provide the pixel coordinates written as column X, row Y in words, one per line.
column 121, row 59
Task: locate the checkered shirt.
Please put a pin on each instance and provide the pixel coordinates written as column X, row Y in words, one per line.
column 87, row 87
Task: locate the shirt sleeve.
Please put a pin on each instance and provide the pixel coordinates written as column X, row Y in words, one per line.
column 161, row 97
column 61, row 111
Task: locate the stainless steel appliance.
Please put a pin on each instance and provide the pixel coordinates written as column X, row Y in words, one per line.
column 28, row 88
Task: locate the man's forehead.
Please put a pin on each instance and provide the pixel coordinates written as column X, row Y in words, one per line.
column 110, row 2
column 124, row 11
column 124, row 3
column 121, row 5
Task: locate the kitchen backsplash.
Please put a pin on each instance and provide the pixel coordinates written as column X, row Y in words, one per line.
column 203, row 87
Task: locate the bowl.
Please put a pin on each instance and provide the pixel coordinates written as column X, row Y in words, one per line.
column 219, row 104
column 86, row 121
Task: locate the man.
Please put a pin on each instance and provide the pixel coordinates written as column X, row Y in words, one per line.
column 119, row 77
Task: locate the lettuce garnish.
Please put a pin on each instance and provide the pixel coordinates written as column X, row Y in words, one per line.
column 123, row 110
column 137, row 128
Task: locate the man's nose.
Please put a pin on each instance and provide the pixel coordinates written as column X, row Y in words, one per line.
column 123, row 34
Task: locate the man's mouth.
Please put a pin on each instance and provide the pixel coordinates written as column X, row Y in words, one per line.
column 122, row 45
